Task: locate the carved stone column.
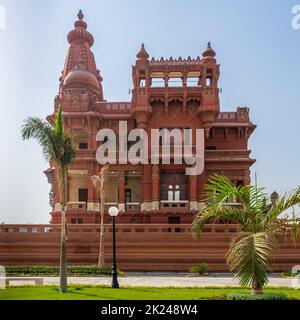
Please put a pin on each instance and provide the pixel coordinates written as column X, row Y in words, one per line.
column 146, row 188
column 155, row 187
column 193, row 193
column 121, row 187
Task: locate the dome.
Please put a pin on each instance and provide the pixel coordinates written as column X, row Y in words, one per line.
column 142, row 54
column 209, row 52
column 80, row 76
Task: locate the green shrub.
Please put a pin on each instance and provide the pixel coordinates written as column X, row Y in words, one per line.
column 289, row 273
column 21, row 270
column 263, row 296
column 201, row 268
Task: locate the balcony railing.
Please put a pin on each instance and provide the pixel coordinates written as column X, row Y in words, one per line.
column 107, row 205
column 167, row 205
column 76, row 205
column 24, row 229
column 133, row 206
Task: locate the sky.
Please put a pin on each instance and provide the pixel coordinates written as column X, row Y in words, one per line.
column 257, row 49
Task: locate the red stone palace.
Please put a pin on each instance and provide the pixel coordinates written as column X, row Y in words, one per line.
column 157, row 202
column 167, row 93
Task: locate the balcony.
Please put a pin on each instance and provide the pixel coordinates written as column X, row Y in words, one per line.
column 178, row 205
column 77, row 205
column 133, row 206
column 107, row 205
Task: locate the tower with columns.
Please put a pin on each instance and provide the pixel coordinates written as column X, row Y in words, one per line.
column 167, row 93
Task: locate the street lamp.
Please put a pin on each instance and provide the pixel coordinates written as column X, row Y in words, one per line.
column 113, row 212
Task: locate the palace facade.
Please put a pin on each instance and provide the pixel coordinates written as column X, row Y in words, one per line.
column 167, row 93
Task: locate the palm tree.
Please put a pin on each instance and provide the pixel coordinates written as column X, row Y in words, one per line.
column 99, row 183
column 58, row 148
column 260, row 225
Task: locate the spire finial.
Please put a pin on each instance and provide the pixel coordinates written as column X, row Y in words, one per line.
column 209, row 52
column 80, row 15
column 142, row 54
column 80, row 23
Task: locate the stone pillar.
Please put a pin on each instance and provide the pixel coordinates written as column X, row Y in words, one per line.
column 92, row 140
column 247, row 177
column 91, row 189
column 146, row 188
column 193, row 192
column 121, row 187
column 155, row 187
column 201, row 187
column 91, row 193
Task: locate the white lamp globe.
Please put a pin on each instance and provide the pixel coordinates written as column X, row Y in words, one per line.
column 113, row 211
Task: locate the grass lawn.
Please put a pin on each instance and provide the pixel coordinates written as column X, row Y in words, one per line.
column 80, row 292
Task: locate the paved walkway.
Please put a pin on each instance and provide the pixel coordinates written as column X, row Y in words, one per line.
column 163, row 280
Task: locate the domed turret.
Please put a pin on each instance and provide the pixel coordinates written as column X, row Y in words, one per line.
column 80, row 77
column 209, row 52
column 80, row 70
column 142, row 56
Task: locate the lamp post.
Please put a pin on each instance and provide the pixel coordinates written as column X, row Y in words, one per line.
column 113, row 212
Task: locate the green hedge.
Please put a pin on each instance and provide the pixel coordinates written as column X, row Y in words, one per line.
column 263, row 296
column 289, row 274
column 54, row 271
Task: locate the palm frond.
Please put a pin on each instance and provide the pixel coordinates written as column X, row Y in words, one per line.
column 59, row 129
column 248, row 255
column 96, row 181
column 219, row 190
column 41, row 131
column 67, row 150
column 57, row 145
column 282, row 204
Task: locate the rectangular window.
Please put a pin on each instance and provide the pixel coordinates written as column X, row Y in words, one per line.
column 142, row 83
column 73, row 221
column 83, row 145
column 157, row 82
column 209, row 78
column 127, row 195
column 210, row 148
column 174, row 220
column 193, row 82
column 174, row 82
column 80, row 221
column 83, row 195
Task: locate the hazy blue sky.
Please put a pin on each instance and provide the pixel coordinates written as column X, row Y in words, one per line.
column 258, row 51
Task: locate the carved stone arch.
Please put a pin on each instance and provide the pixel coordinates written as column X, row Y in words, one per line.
column 175, row 99
column 158, row 107
column 193, row 99
column 175, row 107
column 193, row 105
column 157, row 100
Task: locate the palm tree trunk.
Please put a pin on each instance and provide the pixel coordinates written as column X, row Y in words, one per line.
column 101, row 261
column 63, row 239
column 63, row 253
column 256, row 288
